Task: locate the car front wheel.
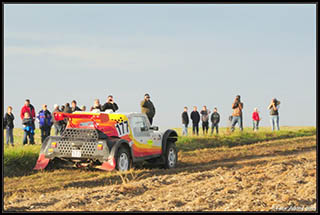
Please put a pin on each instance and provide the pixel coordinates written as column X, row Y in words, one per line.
column 123, row 160
column 171, row 157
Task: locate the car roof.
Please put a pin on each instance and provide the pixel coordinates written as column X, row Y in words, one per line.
column 124, row 113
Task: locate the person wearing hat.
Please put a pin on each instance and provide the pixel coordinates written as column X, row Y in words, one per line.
column 237, row 107
column 110, row 104
column 148, row 108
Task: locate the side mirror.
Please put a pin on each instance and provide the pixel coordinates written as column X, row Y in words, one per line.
column 155, row 128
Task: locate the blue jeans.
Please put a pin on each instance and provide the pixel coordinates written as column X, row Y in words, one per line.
column 9, row 135
column 184, row 130
column 255, row 125
column 274, row 119
column 26, row 135
column 235, row 120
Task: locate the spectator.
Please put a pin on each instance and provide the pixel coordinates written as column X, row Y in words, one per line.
column 28, row 128
column 67, row 108
column 205, row 119
column 96, row 106
column 148, row 108
column 83, row 108
column 274, row 113
column 215, row 119
column 64, row 122
column 110, row 105
column 30, row 109
column 74, row 106
column 62, row 108
column 237, row 107
column 57, row 124
column 256, row 119
column 185, row 121
column 195, row 117
column 8, row 125
column 45, row 122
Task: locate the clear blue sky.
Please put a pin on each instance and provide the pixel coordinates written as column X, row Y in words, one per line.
column 182, row 55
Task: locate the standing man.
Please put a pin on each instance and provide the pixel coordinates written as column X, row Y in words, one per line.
column 205, row 119
column 185, row 122
column 8, row 125
column 215, row 119
column 64, row 123
column 96, row 106
column 32, row 114
column 45, row 122
column 237, row 107
column 74, row 106
column 28, row 108
column 274, row 113
column 195, row 117
column 58, row 125
column 110, row 104
column 148, row 108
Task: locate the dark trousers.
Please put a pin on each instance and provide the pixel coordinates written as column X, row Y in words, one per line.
column 195, row 129
column 26, row 135
column 9, row 135
column 215, row 126
column 45, row 132
column 205, row 127
column 150, row 120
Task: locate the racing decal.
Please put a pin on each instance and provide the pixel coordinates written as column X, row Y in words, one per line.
column 86, row 124
column 150, row 142
column 122, row 128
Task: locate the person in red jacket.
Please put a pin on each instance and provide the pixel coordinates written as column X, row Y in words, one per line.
column 28, row 108
column 256, row 119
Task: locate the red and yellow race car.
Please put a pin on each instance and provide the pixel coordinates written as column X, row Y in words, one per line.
column 109, row 141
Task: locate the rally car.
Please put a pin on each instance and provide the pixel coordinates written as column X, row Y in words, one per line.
column 109, row 141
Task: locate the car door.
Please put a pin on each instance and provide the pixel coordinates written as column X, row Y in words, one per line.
column 141, row 133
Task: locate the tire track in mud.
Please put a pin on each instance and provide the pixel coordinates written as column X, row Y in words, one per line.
column 138, row 192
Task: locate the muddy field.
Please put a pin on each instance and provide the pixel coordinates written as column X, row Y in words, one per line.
column 277, row 175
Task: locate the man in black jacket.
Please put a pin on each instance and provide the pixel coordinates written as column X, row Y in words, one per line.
column 215, row 119
column 185, row 121
column 148, row 108
column 8, row 125
column 74, row 106
column 110, row 105
column 195, row 117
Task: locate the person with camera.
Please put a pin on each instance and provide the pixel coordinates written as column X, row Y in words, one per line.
column 274, row 113
column 237, row 107
column 110, row 105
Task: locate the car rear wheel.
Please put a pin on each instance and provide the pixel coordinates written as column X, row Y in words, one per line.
column 171, row 157
column 123, row 160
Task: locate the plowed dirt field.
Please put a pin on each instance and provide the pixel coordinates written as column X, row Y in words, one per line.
column 276, row 175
